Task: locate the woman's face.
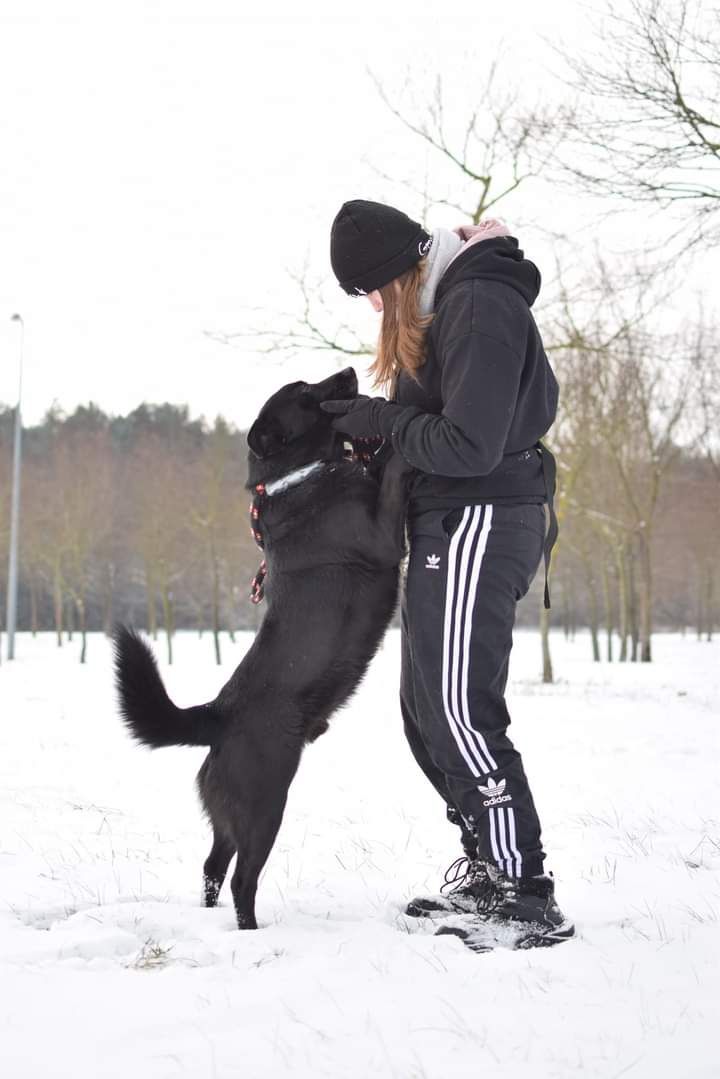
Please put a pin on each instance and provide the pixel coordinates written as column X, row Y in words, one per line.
column 376, row 300
column 375, row 297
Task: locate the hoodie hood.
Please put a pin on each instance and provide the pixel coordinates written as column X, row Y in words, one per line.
column 497, row 259
column 446, row 245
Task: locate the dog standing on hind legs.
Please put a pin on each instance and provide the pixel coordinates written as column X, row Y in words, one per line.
column 333, row 537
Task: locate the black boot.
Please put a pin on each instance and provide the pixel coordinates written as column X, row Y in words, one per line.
column 467, row 883
column 518, row 913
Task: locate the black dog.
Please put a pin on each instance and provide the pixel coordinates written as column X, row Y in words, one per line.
column 333, row 538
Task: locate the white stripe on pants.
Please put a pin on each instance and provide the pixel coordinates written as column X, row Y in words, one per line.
column 459, row 603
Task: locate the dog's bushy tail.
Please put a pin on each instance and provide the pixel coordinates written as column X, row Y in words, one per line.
column 147, row 711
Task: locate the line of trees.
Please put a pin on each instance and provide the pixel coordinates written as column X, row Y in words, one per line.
column 141, row 518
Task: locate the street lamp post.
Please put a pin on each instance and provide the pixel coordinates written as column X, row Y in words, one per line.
column 15, row 509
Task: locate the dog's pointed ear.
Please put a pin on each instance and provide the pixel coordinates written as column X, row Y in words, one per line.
column 265, row 438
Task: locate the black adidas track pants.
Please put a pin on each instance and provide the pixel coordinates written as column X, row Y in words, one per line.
column 467, row 570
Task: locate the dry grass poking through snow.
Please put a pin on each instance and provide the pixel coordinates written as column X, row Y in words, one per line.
column 110, row 967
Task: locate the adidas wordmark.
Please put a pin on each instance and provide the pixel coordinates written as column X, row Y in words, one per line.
column 495, row 792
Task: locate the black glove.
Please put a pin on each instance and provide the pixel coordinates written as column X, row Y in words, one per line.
column 363, row 417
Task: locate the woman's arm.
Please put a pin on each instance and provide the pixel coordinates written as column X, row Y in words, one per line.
column 480, row 341
column 480, row 380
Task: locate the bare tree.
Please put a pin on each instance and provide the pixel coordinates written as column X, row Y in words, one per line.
column 643, row 386
column 498, row 144
column 493, row 147
column 83, row 475
column 312, row 328
column 218, row 512
column 159, row 493
column 708, row 394
column 647, row 125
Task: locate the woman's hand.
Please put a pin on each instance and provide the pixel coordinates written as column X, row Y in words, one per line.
column 363, row 417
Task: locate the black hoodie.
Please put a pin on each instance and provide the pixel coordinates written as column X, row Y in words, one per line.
column 486, row 392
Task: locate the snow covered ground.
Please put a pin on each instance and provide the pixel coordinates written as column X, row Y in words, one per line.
column 109, row 966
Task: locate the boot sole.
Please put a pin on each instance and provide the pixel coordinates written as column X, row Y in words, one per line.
column 547, row 939
column 476, row 941
column 422, row 910
column 425, row 908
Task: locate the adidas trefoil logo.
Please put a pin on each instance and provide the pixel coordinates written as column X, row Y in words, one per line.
column 432, row 561
column 495, row 792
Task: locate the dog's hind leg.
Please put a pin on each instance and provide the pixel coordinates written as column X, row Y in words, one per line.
column 216, row 867
column 258, row 814
column 253, row 851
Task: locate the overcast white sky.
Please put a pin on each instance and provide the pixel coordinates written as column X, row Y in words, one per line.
column 160, row 165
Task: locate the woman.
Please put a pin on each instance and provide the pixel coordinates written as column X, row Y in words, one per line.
column 471, row 393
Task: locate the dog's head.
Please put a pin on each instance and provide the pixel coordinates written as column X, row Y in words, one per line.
column 292, row 430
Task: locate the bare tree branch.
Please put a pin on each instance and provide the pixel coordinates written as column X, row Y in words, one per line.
column 647, row 126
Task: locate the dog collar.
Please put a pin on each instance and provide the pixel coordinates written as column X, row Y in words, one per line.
column 292, row 478
column 263, row 490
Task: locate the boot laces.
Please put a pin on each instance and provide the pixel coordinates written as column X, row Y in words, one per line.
column 455, row 875
column 463, row 873
column 490, row 886
column 497, row 889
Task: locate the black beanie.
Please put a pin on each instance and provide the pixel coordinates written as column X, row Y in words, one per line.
column 371, row 244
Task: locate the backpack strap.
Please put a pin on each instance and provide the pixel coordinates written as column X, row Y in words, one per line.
column 549, row 467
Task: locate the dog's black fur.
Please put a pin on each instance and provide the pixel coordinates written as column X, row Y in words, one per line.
column 333, row 545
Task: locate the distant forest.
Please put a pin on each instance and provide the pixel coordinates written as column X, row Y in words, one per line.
column 144, row 518
column 140, row 518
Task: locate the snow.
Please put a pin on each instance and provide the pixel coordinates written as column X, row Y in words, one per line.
column 110, row 967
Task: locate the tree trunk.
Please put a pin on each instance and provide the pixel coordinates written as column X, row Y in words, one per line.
column 710, row 602
column 623, row 600
column 70, row 617
column 80, row 605
column 700, row 604
column 645, row 597
column 607, row 604
column 168, row 620
column 150, row 592
column 632, row 607
column 594, row 617
column 573, row 609
column 33, row 605
column 58, row 605
column 565, row 608
column 547, row 667
column 215, row 602
column 108, row 599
